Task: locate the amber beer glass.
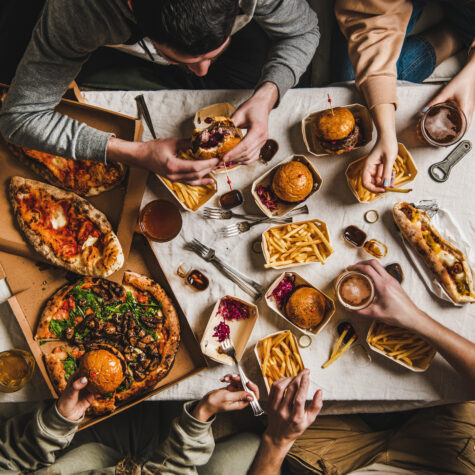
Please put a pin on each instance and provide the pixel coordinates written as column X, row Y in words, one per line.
column 160, row 221
column 354, row 290
column 16, row 368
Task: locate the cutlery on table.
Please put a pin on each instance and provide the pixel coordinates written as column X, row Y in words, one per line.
column 244, row 226
column 218, row 213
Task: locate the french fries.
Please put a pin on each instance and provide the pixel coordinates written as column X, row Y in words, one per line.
column 401, row 345
column 354, row 177
column 192, row 196
column 279, row 357
column 296, row 243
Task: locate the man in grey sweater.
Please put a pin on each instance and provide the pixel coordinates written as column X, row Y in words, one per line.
column 191, row 34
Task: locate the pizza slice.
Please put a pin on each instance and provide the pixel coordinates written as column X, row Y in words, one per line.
column 447, row 262
column 84, row 177
column 61, row 364
column 65, row 228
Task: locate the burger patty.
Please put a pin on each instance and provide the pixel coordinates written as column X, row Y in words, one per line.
column 347, row 143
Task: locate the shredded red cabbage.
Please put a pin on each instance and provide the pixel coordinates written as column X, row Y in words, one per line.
column 267, row 197
column 221, row 331
column 283, row 290
column 231, row 309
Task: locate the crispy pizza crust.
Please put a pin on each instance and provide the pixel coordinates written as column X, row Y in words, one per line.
column 112, row 257
column 88, row 190
column 413, row 234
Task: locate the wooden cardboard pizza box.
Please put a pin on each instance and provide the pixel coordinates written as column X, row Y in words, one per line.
column 120, row 205
column 32, row 283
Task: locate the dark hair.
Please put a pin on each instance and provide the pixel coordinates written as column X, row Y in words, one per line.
column 193, row 27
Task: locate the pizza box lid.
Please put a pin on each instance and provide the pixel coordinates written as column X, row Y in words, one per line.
column 418, row 369
column 314, row 147
column 33, row 283
column 240, row 332
column 120, row 205
column 266, row 179
column 409, row 175
column 299, row 281
column 265, row 249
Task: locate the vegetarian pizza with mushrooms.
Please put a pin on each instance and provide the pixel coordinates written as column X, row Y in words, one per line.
column 136, row 321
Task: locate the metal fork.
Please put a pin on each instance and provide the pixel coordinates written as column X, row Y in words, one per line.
column 228, row 348
column 245, row 283
column 244, row 226
column 218, row 213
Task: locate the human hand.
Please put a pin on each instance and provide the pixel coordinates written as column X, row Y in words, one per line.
column 391, row 303
column 231, row 398
column 460, row 90
column 288, row 418
column 253, row 115
column 75, row 399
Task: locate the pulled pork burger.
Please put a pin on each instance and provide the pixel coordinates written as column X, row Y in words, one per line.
column 292, row 182
column 218, row 138
column 306, row 307
column 337, row 131
column 104, row 367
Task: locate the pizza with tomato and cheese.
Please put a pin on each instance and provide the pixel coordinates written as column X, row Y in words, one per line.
column 136, row 320
column 449, row 264
column 84, row 177
column 65, row 228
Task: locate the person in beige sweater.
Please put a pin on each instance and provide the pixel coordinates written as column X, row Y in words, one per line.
column 380, row 53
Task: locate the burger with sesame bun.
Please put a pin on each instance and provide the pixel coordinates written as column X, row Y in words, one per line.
column 219, row 136
column 104, row 367
column 337, row 130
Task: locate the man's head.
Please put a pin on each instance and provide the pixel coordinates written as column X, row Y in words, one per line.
column 191, row 33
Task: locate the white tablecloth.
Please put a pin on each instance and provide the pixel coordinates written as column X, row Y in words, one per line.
column 367, row 386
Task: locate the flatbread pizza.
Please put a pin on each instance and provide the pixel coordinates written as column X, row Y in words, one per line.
column 448, row 263
column 136, row 320
column 65, row 228
column 84, row 177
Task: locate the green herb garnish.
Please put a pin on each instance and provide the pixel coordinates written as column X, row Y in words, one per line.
column 58, row 327
column 70, row 366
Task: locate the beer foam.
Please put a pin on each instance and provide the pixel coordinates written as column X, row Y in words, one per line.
column 355, row 290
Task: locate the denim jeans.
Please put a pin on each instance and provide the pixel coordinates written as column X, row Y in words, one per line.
column 417, row 60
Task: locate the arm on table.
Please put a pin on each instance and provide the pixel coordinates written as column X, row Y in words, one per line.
column 288, row 419
column 393, row 306
column 28, row 442
column 293, row 27
column 190, row 442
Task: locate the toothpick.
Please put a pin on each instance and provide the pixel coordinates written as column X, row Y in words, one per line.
column 330, row 102
column 227, row 176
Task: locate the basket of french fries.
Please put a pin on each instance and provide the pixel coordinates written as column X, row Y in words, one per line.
column 401, row 346
column 191, row 198
column 279, row 357
column 263, row 184
column 295, row 244
column 404, row 168
column 279, row 291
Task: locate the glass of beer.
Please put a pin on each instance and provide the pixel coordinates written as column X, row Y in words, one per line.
column 354, row 290
column 442, row 125
column 160, row 221
column 16, row 368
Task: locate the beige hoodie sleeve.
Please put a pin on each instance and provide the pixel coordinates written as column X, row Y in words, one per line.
column 29, row 441
column 375, row 30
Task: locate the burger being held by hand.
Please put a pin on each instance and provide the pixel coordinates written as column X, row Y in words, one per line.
column 337, row 130
column 104, row 367
column 218, row 137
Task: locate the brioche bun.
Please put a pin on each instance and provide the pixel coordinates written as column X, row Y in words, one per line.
column 306, row 307
column 292, row 182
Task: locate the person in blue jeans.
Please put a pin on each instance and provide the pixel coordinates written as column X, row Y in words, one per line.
column 373, row 47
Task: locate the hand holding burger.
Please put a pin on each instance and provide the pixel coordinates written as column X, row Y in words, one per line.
column 75, row 399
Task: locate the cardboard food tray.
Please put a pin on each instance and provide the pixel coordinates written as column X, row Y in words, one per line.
column 32, row 284
column 257, row 352
column 265, row 250
column 408, row 177
column 266, row 179
column 240, row 332
column 120, row 205
column 417, row 369
column 203, row 200
column 361, row 114
column 224, row 109
column 299, row 281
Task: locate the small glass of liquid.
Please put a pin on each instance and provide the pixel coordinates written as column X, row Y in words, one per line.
column 16, row 368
